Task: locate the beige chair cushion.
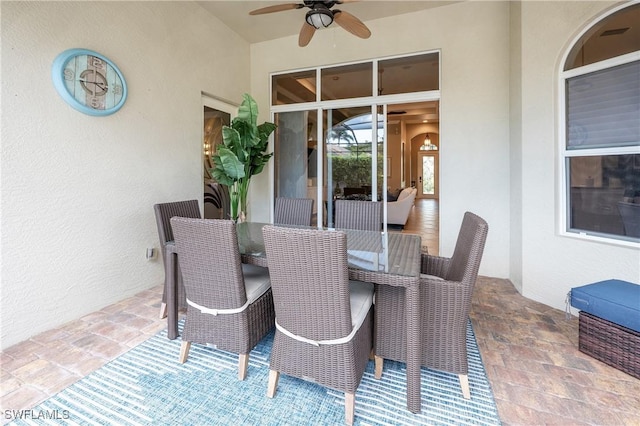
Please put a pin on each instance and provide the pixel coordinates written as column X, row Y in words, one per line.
column 431, row 277
column 361, row 298
column 256, row 281
column 360, row 301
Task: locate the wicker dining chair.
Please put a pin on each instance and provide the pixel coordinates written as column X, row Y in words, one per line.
column 323, row 320
column 293, row 211
column 230, row 303
column 446, row 287
column 164, row 212
column 355, row 214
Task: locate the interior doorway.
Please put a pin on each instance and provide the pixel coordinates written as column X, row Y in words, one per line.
column 428, row 182
column 215, row 115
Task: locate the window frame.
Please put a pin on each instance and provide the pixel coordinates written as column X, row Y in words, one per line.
column 374, row 101
column 564, row 153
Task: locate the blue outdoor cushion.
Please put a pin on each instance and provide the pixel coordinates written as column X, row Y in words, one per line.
column 613, row 300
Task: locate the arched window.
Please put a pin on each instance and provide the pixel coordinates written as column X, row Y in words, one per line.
column 600, row 134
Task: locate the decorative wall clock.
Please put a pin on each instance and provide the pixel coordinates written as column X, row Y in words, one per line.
column 89, row 82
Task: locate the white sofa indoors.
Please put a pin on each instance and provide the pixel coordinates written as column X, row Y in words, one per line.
column 398, row 211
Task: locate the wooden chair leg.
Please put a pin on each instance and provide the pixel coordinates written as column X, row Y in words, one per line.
column 163, row 310
column 464, row 384
column 349, row 407
column 184, row 351
column 273, row 383
column 379, row 361
column 243, row 362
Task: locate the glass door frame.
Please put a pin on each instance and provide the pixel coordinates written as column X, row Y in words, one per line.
column 436, row 174
column 375, row 102
column 212, row 102
column 324, row 129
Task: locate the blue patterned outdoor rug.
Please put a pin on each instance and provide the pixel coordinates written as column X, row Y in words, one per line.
column 148, row 386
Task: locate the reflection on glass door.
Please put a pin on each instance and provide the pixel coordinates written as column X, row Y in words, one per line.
column 216, row 115
column 428, row 175
column 349, row 170
column 296, row 161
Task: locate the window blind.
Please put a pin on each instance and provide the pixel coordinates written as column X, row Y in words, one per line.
column 603, row 108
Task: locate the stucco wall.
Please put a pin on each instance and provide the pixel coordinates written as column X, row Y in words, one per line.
column 553, row 264
column 515, row 153
column 499, row 115
column 78, row 191
column 474, row 131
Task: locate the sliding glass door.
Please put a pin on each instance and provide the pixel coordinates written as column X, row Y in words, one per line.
column 296, row 165
column 333, row 139
column 352, row 169
column 346, row 163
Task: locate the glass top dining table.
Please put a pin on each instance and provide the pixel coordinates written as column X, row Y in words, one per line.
column 390, row 258
column 367, row 251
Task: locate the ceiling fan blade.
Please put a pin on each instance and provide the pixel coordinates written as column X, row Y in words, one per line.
column 277, row 8
column 306, row 33
column 351, row 24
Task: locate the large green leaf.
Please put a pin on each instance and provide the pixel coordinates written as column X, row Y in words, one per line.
column 264, row 131
column 219, row 174
column 228, row 163
column 248, row 133
column 231, row 138
column 259, row 162
column 248, row 110
column 261, row 146
column 261, row 159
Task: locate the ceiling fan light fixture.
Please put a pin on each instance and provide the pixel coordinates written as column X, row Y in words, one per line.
column 319, row 17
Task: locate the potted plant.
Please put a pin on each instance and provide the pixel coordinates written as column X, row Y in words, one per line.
column 242, row 154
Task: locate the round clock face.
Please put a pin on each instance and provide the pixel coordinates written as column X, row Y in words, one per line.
column 89, row 82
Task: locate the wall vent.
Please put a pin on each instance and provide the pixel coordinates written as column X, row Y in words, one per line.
column 616, row 31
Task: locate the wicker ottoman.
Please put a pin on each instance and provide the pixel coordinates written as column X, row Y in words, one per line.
column 610, row 343
column 609, row 323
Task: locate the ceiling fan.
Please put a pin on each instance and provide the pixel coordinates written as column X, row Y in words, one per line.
column 320, row 16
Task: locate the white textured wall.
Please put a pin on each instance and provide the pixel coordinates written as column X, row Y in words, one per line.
column 78, row 191
column 552, row 264
column 515, row 153
column 499, row 115
column 474, row 130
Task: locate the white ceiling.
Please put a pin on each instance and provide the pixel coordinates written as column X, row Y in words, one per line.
column 257, row 28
